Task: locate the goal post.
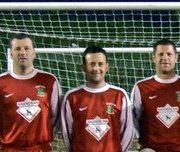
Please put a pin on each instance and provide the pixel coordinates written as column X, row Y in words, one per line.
column 62, row 31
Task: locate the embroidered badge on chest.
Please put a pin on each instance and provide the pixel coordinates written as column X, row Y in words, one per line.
column 110, row 108
column 97, row 127
column 40, row 90
column 178, row 96
column 28, row 109
column 168, row 115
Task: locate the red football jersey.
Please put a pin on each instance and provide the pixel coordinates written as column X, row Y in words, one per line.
column 97, row 119
column 28, row 108
column 157, row 112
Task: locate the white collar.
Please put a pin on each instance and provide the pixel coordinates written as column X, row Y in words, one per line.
column 23, row 77
column 175, row 78
column 96, row 90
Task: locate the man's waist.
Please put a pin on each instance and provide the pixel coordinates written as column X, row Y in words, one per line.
column 44, row 147
column 163, row 148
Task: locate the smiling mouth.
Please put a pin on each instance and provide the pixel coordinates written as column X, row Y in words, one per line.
column 164, row 63
column 22, row 59
column 97, row 74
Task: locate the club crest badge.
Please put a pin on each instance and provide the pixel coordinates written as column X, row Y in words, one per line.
column 178, row 96
column 40, row 90
column 110, row 108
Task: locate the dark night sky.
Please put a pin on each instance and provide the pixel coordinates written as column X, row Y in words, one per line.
column 88, row 1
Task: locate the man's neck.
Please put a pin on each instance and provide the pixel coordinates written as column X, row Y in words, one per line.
column 22, row 71
column 166, row 76
column 95, row 86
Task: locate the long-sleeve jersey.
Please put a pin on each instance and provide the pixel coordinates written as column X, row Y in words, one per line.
column 28, row 108
column 97, row 120
column 157, row 111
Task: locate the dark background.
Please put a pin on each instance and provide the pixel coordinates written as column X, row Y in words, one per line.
column 88, row 1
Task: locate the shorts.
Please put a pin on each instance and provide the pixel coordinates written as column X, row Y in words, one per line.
column 166, row 148
column 45, row 147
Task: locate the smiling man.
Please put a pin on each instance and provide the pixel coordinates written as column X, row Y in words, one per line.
column 156, row 102
column 97, row 116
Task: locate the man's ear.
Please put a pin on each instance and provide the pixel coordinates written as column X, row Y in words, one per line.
column 83, row 67
column 107, row 66
column 177, row 57
column 153, row 58
column 34, row 53
column 11, row 54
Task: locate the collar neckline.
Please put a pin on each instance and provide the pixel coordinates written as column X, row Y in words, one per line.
column 175, row 78
column 96, row 90
column 23, row 77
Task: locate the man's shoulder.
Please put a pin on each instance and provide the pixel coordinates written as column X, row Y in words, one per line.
column 45, row 73
column 145, row 80
column 76, row 89
column 5, row 78
column 2, row 75
column 118, row 89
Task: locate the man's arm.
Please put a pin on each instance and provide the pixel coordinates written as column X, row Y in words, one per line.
column 55, row 106
column 136, row 100
column 127, row 130
column 66, row 120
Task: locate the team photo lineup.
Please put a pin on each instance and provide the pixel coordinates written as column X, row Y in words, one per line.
column 89, row 81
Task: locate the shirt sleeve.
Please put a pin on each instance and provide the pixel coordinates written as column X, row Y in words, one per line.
column 127, row 130
column 55, row 106
column 137, row 110
column 67, row 121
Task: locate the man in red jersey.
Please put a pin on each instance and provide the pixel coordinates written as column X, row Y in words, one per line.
column 29, row 102
column 157, row 102
column 96, row 117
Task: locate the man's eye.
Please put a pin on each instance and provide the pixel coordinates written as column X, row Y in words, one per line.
column 18, row 49
column 27, row 48
column 93, row 64
column 100, row 64
column 169, row 54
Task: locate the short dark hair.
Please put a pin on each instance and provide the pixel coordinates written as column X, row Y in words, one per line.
column 21, row 36
column 164, row 42
column 93, row 49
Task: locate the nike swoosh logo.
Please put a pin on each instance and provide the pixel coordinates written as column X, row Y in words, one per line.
column 82, row 109
column 152, row 97
column 8, row 95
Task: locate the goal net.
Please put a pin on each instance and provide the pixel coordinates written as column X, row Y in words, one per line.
column 61, row 34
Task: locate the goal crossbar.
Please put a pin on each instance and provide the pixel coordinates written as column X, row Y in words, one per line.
column 90, row 6
column 80, row 50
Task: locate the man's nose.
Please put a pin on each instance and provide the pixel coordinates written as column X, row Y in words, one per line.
column 22, row 51
column 165, row 56
column 96, row 67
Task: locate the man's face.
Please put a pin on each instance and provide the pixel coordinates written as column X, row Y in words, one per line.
column 95, row 68
column 22, row 53
column 165, row 59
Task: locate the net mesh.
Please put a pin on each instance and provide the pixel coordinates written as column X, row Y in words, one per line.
column 73, row 29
